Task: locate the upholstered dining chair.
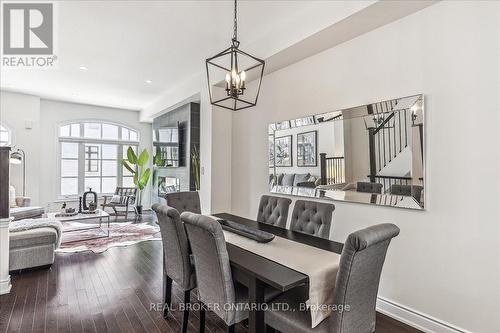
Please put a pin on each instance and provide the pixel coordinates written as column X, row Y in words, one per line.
column 177, row 265
column 273, row 210
column 369, row 187
column 414, row 191
column 356, row 286
column 211, row 261
column 312, row 217
column 188, row 201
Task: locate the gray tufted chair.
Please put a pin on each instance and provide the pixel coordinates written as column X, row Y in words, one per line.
column 273, row 210
column 176, row 258
column 211, row 260
column 312, row 217
column 407, row 190
column 184, row 201
column 356, row 285
column 369, row 187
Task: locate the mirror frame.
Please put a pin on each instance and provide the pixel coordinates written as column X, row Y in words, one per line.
column 416, row 116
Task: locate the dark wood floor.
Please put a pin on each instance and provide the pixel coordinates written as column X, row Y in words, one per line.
column 116, row 291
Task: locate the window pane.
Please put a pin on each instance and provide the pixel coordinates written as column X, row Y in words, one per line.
column 125, row 148
column 109, row 131
column 133, row 136
column 92, row 151
column 69, row 168
column 126, row 172
column 125, row 134
column 4, row 137
column 69, row 150
column 109, row 185
column 64, row 130
column 69, row 186
column 92, row 130
column 110, row 152
column 75, row 130
column 109, row 168
column 128, row 182
column 94, row 183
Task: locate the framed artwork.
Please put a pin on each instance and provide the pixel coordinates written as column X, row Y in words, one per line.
column 306, row 149
column 271, row 151
column 283, row 151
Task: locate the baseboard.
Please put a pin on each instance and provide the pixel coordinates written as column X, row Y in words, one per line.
column 415, row 319
column 5, row 286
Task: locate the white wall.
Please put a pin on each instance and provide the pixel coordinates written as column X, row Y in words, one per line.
column 41, row 143
column 17, row 111
column 325, row 136
column 445, row 263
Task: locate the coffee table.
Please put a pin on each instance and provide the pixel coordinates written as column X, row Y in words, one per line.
column 99, row 214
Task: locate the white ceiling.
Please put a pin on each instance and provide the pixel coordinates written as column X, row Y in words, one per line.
column 124, row 43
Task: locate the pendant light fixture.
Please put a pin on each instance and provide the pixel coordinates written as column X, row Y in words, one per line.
column 234, row 77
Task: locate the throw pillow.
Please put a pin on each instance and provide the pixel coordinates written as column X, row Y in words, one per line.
column 288, row 179
column 300, row 178
column 12, row 197
column 280, row 179
column 116, row 199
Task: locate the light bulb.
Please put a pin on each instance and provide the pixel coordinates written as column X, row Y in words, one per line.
column 243, row 75
column 228, row 78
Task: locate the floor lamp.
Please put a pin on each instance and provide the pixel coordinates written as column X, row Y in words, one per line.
column 18, row 157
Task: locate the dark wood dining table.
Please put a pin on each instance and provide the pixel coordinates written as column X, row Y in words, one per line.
column 257, row 272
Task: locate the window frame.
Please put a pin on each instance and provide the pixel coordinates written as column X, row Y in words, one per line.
column 5, row 128
column 81, row 140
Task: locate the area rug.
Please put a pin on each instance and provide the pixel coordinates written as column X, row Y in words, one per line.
column 120, row 234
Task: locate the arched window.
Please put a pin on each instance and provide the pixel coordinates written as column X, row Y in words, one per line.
column 91, row 154
column 5, row 136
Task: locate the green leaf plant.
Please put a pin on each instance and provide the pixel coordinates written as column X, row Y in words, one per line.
column 137, row 166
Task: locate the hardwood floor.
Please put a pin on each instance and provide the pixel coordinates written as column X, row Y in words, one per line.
column 116, row 291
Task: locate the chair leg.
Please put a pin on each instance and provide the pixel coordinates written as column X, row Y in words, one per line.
column 167, row 293
column 230, row 329
column 185, row 315
column 270, row 329
column 202, row 318
column 126, row 213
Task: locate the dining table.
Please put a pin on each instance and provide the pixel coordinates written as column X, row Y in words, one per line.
column 257, row 273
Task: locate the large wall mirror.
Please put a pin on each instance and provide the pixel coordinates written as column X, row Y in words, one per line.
column 368, row 154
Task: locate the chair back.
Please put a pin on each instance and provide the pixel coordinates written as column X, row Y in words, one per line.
column 177, row 264
column 358, row 278
column 369, row 187
column 273, row 210
column 407, row 190
column 211, row 262
column 188, row 201
column 125, row 192
column 312, row 217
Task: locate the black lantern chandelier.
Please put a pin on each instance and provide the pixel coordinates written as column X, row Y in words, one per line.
column 234, row 77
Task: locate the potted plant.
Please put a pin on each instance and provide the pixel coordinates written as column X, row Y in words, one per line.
column 136, row 165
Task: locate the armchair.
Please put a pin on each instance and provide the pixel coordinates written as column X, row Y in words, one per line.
column 123, row 198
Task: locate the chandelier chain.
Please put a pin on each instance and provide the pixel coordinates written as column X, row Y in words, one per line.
column 235, row 27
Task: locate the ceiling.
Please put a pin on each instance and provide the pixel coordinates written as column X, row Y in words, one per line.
column 124, row 43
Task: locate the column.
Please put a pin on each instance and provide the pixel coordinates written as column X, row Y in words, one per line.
column 4, row 221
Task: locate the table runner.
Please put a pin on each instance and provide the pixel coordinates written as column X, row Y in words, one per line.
column 320, row 265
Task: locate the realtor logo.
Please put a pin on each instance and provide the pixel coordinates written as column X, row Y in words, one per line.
column 28, row 28
column 28, row 35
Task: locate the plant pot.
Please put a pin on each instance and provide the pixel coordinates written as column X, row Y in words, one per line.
column 139, row 210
